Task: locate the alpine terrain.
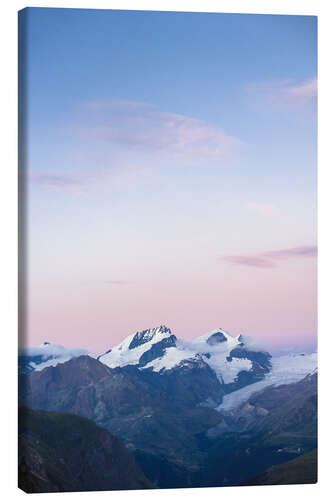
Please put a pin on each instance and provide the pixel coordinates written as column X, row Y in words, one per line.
column 217, row 410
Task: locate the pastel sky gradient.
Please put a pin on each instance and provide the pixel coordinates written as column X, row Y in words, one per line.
column 171, row 167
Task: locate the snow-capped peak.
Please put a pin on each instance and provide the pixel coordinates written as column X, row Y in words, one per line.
column 152, row 334
column 215, row 337
column 130, row 350
column 159, row 350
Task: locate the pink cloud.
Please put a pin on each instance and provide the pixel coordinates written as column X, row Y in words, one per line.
column 303, row 251
column 55, row 181
column 285, row 92
column 267, row 259
column 248, row 260
column 108, row 171
column 143, row 127
column 119, row 282
column 306, row 90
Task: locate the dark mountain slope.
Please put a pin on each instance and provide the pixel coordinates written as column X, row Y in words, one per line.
column 158, row 418
column 163, row 418
column 59, row 452
column 287, row 413
column 274, row 426
column 301, row 470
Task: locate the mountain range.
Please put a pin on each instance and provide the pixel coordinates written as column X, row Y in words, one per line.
column 214, row 411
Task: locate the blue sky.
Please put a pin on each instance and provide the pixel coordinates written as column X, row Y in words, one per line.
column 159, row 143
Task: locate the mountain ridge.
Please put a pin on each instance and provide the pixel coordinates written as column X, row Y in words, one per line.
column 171, row 419
column 235, row 360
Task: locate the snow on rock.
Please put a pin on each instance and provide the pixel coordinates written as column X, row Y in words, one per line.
column 227, row 371
column 47, row 354
column 214, row 353
column 130, row 350
column 172, row 357
column 285, row 370
column 213, row 347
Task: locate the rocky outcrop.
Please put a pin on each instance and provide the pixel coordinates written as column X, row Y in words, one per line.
column 157, row 350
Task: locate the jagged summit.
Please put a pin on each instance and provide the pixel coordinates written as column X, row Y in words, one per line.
column 140, row 348
column 147, row 335
column 236, row 362
column 157, row 349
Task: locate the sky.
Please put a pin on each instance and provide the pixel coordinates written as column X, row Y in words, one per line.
column 171, row 176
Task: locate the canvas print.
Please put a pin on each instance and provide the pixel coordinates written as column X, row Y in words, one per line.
column 168, row 250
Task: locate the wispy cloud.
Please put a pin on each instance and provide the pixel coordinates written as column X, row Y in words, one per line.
column 268, row 259
column 303, row 251
column 128, row 128
column 143, row 127
column 285, row 92
column 119, row 282
column 58, row 351
column 306, row 90
column 249, row 260
column 103, row 171
column 57, row 182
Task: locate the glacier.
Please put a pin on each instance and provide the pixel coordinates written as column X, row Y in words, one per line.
column 286, row 369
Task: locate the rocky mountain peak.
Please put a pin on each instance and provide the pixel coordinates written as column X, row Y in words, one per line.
column 147, row 335
column 216, row 338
